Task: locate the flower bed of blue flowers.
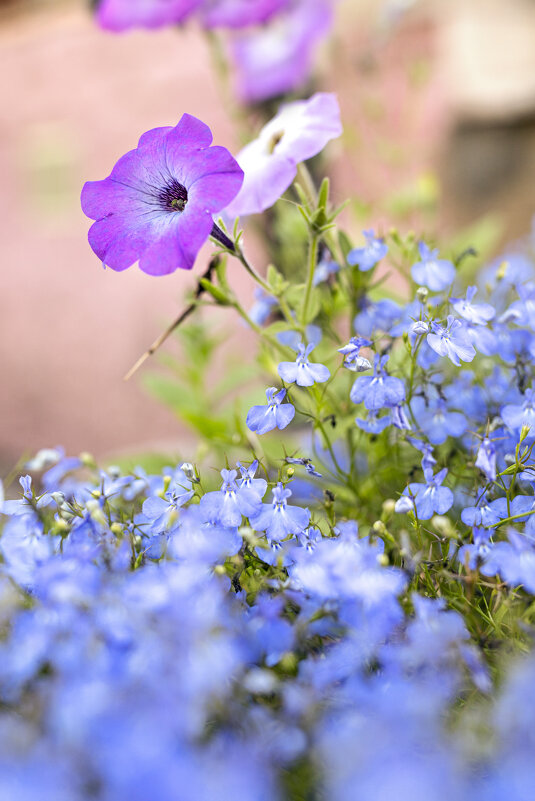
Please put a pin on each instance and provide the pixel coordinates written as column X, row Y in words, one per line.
column 347, row 611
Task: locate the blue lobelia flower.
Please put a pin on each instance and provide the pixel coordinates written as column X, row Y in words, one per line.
column 486, row 459
column 278, row 519
column 368, row 256
column 302, row 372
column 436, row 421
column 162, row 513
column 326, row 267
column 452, row 340
column 351, row 352
column 262, row 307
column 248, row 480
column 476, row 313
column 432, row 272
column 227, row 505
column 515, row 416
column 429, row 498
column 275, row 414
column 379, row 390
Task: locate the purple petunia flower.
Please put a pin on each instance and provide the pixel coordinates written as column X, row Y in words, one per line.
column 156, row 207
column 277, row 58
column 119, row 15
column 299, row 131
column 275, row 414
column 367, row 257
column 302, row 372
column 452, row 341
column 432, row 272
column 239, row 13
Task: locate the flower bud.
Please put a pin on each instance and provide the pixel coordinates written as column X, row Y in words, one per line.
column 422, row 294
column 189, row 471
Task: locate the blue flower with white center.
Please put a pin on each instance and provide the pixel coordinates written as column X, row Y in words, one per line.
column 162, row 514
column 429, row 498
column 476, row 313
column 278, row 519
column 486, row 459
column 485, row 513
column 434, row 273
column 373, row 424
column 248, row 480
column 303, row 372
column 452, row 340
column 275, row 414
column 368, row 256
column 379, row 390
column 351, row 352
column 228, row 505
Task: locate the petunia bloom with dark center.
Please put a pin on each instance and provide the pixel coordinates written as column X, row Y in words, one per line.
column 157, row 205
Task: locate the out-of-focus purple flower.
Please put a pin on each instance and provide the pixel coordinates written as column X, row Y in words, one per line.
column 432, row 272
column 376, row 316
column 379, row 390
column 275, row 414
column 277, row 58
column 120, row 15
column 278, row 519
column 429, row 498
column 302, row 372
column 436, row 421
column 452, row 341
column 295, row 134
column 157, row 204
column 370, row 255
column 326, row 267
column 486, row 459
column 476, row 313
column 262, row 307
column 239, row 13
column 515, row 416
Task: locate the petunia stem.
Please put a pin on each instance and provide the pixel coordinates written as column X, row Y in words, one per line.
column 179, row 320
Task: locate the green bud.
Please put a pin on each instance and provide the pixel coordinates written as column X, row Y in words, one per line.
column 524, row 431
column 116, row 529
column 389, row 507
column 290, row 472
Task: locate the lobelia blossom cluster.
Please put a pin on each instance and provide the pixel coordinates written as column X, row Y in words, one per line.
column 272, row 43
column 283, row 631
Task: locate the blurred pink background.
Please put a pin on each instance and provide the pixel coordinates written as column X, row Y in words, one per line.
column 75, row 99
